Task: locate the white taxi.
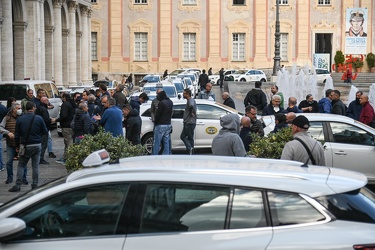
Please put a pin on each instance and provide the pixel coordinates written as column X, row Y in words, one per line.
column 208, row 123
column 193, row 202
column 347, row 143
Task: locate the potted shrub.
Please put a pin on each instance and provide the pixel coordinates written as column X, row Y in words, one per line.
column 339, row 59
column 357, row 65
column 370, row 59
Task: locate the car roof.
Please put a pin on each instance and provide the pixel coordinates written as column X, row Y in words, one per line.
column 223, row 170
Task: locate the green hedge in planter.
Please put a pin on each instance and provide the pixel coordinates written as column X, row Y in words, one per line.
column 117, row 147
column 270, row 146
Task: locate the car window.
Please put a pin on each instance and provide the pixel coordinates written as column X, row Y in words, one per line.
column 178, row 111
column 187, row 207
column 205, row 111
column 346, row 133
column 358, row 205
column 291, row 209
column 89, row 211
column 147, row 113
column 18, row 91
column 316, row 131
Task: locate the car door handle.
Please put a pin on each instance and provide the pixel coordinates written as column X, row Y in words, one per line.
column 201, row 123
column 340, row 152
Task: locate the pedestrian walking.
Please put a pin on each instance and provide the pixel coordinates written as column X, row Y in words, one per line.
column 203, row 80
column 221, row 75
column 8, row 128
column 256, row 97
column 28, row 138
column 189, row 121
column 163, row 126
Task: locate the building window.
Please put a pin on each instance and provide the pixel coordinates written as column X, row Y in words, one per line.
column 94, row 46
column 238, row 47
column 94, row 1
column 190, row 2
column 238, row 2
column 283, row 2
column 284, row 46
column 140, row 1
column 140, row 47
column 189, row 46
column 324, row 2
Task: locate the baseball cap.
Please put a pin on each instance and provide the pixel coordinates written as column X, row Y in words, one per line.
column 301, row 121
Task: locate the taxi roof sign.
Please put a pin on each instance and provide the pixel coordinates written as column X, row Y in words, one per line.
column 96, row 158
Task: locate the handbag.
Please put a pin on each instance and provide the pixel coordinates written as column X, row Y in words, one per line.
column 22, row 148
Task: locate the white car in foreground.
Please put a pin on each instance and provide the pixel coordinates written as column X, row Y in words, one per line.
column 347, row 143
column 208, row 123
column 193, row 202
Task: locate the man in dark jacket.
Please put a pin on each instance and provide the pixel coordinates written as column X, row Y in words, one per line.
column 119, row 96
column 133, row 123
column 163, row 127
column 203, row 80
column 228, row 101
column 256, row 97
column 136, row 101
column 355, row 107
column 42, row 111
column 245, row 132
column 274, row 107
column 82, row 123
column 66, row 116
column 338, row 107
column 33, row 144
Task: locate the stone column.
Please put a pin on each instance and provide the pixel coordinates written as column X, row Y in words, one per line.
column 214, row 34
column 89, row 59
column 85, row 46
column 7, row 42
column 115, row 34
column 72, row 44
column 42, row 42
column 57, row 43
column 165, row 35
column 19, row 50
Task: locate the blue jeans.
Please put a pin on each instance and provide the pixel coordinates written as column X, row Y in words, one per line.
column 11, row 152
column 162, row 134
column 187, row 135
column 50, row 150
column 32, row 152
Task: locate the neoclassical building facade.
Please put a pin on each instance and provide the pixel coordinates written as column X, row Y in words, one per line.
column 149, row 36
column 46, row 40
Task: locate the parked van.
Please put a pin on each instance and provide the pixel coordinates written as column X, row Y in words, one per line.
column 18, row 90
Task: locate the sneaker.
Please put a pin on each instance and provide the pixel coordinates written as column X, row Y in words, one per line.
column 52, row 155
column 15, row 189
column 191, row 151
column 2, row 169
column 8, row 181
column 43, row 162
column 33, row 186
column 61, row 161
column 25, row 182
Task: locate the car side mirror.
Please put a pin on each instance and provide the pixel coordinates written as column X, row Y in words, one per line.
column 179, row 96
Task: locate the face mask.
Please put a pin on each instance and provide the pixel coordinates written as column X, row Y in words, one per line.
column 19, row 111
column 310, row 102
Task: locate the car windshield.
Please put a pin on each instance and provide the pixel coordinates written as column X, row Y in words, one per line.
column 150, row 79
column 169, row 90
column 192, row 77
column 177, row 71
column 179, row 87
column 240, row 72
column 217, row 73
column 17, row 91
column 357, row 205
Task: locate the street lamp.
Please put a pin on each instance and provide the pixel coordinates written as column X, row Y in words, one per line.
column 276, row 59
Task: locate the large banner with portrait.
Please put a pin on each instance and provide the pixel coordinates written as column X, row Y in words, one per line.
column 356, row 31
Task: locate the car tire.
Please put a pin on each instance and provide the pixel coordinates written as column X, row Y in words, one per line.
column 262, row 80
column 218, row 82
column 148, row 141
column 242, row 80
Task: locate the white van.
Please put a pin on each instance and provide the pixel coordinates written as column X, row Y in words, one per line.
column 18, row 90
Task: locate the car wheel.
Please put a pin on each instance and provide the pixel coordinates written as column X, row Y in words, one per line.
column 243, row 80
column 218, row 82
column 262, row 80
column 324, row 80
column 148, row 141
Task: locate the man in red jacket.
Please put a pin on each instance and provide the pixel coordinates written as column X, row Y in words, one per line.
column 367, row 113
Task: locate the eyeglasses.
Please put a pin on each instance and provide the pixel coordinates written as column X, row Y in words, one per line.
column 103, row 103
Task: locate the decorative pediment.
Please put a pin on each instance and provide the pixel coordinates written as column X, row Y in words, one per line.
column 140, row 7
column 238, row 8
column 324, row 24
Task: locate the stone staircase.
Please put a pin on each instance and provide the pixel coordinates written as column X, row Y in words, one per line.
column 361, row 78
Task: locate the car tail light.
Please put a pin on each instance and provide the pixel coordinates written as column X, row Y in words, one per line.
column 364, row 247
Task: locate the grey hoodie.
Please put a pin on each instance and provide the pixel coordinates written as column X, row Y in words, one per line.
column 228, row 142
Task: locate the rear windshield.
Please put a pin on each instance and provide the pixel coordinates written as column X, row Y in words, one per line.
column 358, row 205
column 12, row 90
